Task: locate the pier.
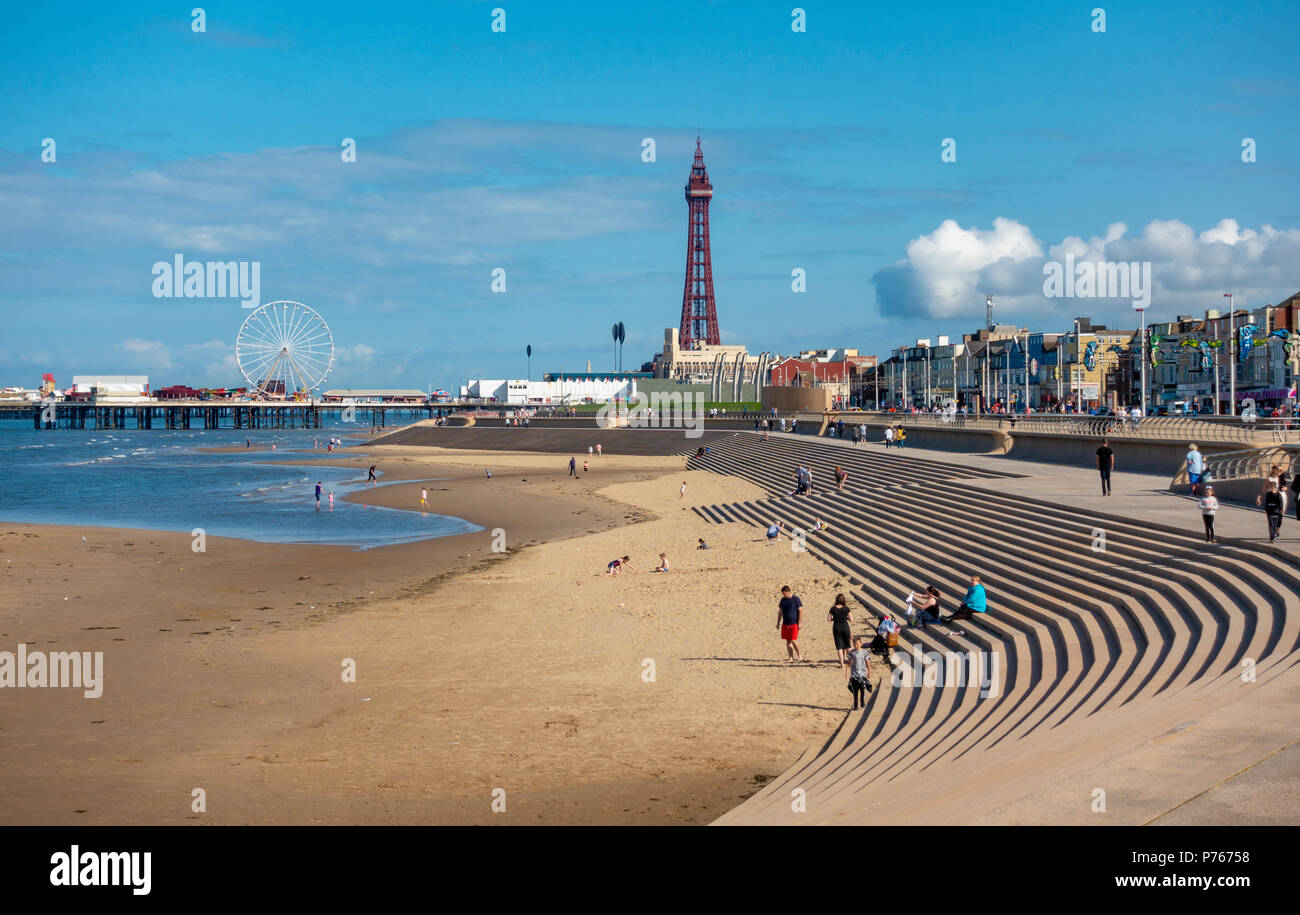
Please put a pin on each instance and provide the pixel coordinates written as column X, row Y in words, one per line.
column 206, row 414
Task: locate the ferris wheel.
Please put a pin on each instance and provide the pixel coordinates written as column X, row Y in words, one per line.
column 284, row 348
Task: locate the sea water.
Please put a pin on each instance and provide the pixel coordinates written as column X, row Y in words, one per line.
column 161, row 480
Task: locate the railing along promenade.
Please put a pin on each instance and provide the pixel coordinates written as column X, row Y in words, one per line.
column 1225, row 429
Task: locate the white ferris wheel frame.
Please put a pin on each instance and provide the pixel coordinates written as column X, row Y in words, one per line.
column 285, row 341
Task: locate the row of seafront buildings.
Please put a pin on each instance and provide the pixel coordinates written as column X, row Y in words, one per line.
column 1212, row 363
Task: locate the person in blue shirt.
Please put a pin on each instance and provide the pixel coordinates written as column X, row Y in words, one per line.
column 974, row 601
column 1195, row 468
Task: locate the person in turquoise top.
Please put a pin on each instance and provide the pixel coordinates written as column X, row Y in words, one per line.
column 974, row 601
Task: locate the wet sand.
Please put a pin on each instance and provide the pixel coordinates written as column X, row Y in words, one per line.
column 586, row 698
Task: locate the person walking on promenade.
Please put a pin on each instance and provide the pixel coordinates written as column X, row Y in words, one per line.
column 1276, row 477
column 1209, row 505
column 900, row 437
column 765, row 428
column 862, row 433
column 858, row 672
column 840, row 616
column 1105, row 464
column 1137, row 416
column 573, row 466
column 1295, row 495
column 1273, row 506
column 974, row 602
column 889, row 436
column 1195, row 468
column 789, row 613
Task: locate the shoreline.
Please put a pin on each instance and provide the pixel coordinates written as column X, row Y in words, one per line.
column 473, row 673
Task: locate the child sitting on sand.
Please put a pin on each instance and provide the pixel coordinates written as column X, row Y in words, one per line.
column 663, row 563
column 703, row 545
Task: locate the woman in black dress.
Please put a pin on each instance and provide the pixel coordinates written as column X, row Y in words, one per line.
column 841, row 618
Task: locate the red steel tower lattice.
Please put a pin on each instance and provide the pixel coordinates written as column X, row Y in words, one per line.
column 699, row 311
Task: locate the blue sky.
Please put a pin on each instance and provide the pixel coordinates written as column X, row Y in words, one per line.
column 522, row 150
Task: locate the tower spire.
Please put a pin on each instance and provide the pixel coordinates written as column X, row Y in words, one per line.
column 699, row 311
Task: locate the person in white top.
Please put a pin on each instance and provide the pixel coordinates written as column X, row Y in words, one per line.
column 1137, row 417
column 1209, row 505
column 889, row 436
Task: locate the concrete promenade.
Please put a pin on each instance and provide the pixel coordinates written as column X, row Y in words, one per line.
column 1141, row 497
column 1155, row 681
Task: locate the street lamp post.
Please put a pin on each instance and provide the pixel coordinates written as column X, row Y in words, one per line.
column 1143, row 338
column 1232, row 364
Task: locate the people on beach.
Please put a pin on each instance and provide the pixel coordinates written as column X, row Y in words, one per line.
column 817, row 526
column 840, row 476
column 975, row 601
column 840, row 616
column 487, row 472
column 789, row 613
column 585, row 468
column 681, row 493
column 1273, row 508
column 573, row 467
column 774, row 530
column 590, row 450
column 598, row 451
column 331, row 500
column 318, row 489
column 248, row 443
column 703, row 545
column 858, row 673
column 1105, row 464
column 924, row 607
column 371, row 477
column 618, row 566
column 886, row 637
column 1209, row 505
column 663, row 563
column 424, row 497
column 1195, row 467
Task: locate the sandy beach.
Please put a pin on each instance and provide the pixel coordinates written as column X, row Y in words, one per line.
column 590, row 699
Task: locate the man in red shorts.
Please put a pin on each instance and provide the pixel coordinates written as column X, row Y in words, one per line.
column 787, row 621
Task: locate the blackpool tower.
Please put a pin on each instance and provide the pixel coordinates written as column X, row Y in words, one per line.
column 699, row 312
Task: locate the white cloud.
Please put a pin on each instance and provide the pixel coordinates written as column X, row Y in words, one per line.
column 947, row 271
